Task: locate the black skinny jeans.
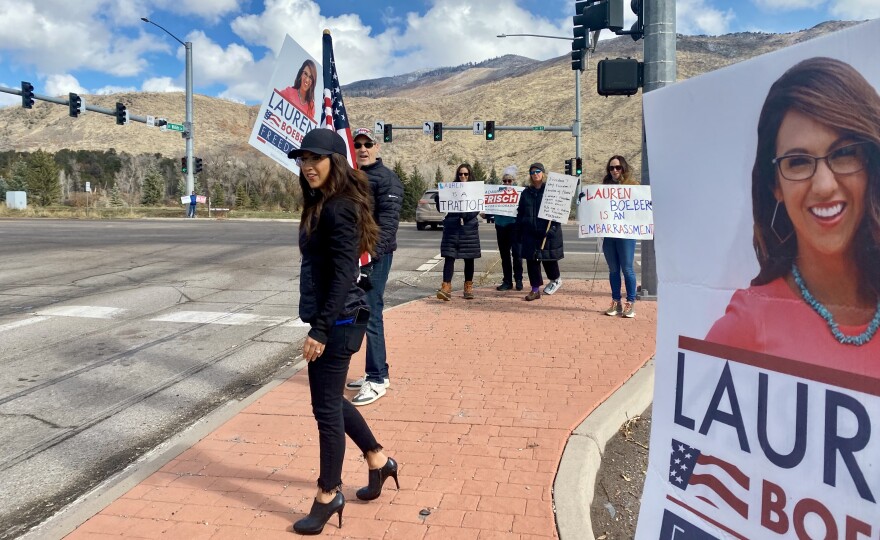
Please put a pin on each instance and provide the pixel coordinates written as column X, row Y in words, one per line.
column 337, row 417
column 511, row 258
column 534, row 269
column 449, row 269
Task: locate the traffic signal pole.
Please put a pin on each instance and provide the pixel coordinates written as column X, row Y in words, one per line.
column 66, row 103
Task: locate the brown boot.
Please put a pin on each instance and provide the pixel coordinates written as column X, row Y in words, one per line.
column 445, row 292
column 469, row 290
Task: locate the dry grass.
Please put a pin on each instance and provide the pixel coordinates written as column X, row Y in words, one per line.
column 67, row 212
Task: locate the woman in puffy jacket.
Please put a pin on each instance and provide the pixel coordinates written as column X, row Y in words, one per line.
column 461, row 240
column 337, row 226
column 540, row 240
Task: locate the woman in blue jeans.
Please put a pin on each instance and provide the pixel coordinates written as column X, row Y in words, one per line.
column 337, row 225
column 620, row 252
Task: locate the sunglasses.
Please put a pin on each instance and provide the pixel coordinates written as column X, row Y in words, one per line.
column 357, row 145
column 535, row 171
column 464, row 174
column 615, row 168
column 507, row 181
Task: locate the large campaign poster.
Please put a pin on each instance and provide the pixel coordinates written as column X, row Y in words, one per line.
column 292, row 106
column 766, row 179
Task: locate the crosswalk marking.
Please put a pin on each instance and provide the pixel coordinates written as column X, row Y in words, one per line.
column 430, row 264
column 219, row 317
column 23, row 322
column 88, row 312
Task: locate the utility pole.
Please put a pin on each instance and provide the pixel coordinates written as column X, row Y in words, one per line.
column 660, row 70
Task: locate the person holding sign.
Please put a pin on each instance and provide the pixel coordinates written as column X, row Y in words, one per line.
column 337, row 226
column 302, row 93
column 620, row 252
column 508, row 242
column 192, row 205
column 816, row 205
column 540, row 240
column 461, row 240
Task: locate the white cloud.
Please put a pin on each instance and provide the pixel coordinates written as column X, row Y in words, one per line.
column 62, row 84
column 212, row 63
column 856, row 10
column 787, row 5
column 696, row 17
column 110, row 89
column 161, row 84
column 7, row 100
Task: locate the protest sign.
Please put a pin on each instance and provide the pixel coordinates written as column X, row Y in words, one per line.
column 201, row 199
column 461, row 196
column 502, row 200
column 558, row 191
column 767, row 389
column 288, row 111
column 616, row 211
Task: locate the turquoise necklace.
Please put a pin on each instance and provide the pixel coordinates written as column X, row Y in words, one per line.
column 823, row 312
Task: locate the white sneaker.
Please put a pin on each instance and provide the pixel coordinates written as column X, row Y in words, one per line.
column 358, row 383
column 369, row 393
column 553, row 286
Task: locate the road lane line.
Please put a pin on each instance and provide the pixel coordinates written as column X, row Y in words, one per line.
column 88, row 312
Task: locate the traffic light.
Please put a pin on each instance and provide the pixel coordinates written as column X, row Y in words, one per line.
column 619, row 77
column 121, row 114
column 74, row 103
column 637, row 30
column 197, row 165
column 578, row 166
column 438, row 131
column 387, row 133
column 183, row 164
column 568, row 167
column 490, row 130
column 578, row 60
column 27, row 95
column 598, row 15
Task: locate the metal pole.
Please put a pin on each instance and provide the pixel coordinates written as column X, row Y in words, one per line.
column 188, row 126
column 577, row 111
column 660, row 70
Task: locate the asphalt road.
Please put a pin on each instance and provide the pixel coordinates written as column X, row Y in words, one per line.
column 114, row 335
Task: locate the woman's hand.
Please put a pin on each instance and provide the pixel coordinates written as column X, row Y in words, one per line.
column 312, row 349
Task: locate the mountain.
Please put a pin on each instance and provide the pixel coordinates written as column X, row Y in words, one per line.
column 512, row 90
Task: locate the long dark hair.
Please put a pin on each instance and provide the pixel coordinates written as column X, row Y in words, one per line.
column 836, row 95
column 625, row 173
column 342, row 181
column 470, row 171
column 310, row 94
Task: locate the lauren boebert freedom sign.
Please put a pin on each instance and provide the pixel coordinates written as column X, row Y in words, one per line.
column 288, row 112
column 461, row 196
column 617, row 211
column 767, row 392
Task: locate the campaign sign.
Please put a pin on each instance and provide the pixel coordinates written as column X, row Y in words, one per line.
column 461, row 196
column 289, row 111
column 502, row 200
column 199, row 199
column 767, row 392
column 558, row 191
column 616, row 211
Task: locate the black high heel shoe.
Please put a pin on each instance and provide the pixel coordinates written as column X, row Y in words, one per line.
column 319, row 515
column 377, row 480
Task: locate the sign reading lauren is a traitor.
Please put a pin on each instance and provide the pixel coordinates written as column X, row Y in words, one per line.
column 461, row 196
column 767, row 392
column 556, row 204
column 288, row 111
column 617, row 211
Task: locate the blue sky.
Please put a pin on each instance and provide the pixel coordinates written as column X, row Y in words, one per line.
column 102, row 46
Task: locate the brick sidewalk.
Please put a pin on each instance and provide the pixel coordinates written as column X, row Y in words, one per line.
column 484, row 395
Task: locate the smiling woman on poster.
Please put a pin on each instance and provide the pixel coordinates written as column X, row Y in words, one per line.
column 302, row 93
column 816, row 206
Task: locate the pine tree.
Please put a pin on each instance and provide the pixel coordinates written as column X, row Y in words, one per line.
column 493, row 176
column 438, row 176
column 42, row 178
column 256, row 201
column 115, row 197
column 242, row 200
column 154, row 188
column 218, row 195
column 479, row 172
column 413, row 188
column 398, row 170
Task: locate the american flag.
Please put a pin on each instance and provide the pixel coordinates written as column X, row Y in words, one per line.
column 334, row 115
column 690, row 467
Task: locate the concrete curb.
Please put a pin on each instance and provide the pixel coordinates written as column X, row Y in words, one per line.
column 575, row 481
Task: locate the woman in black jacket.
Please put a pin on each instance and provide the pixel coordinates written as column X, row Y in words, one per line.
column 461, row 240
column 337, row 226
column 540, row 240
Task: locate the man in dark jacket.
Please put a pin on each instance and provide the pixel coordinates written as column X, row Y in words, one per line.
column 387, row 200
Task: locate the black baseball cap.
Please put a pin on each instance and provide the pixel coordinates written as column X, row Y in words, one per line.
column 534, row 166
column 321, row 141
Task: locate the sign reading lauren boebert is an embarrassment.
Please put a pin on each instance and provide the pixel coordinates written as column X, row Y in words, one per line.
column 282, row 124
column 556, row 203
column 461, row 196
column 618, row 211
